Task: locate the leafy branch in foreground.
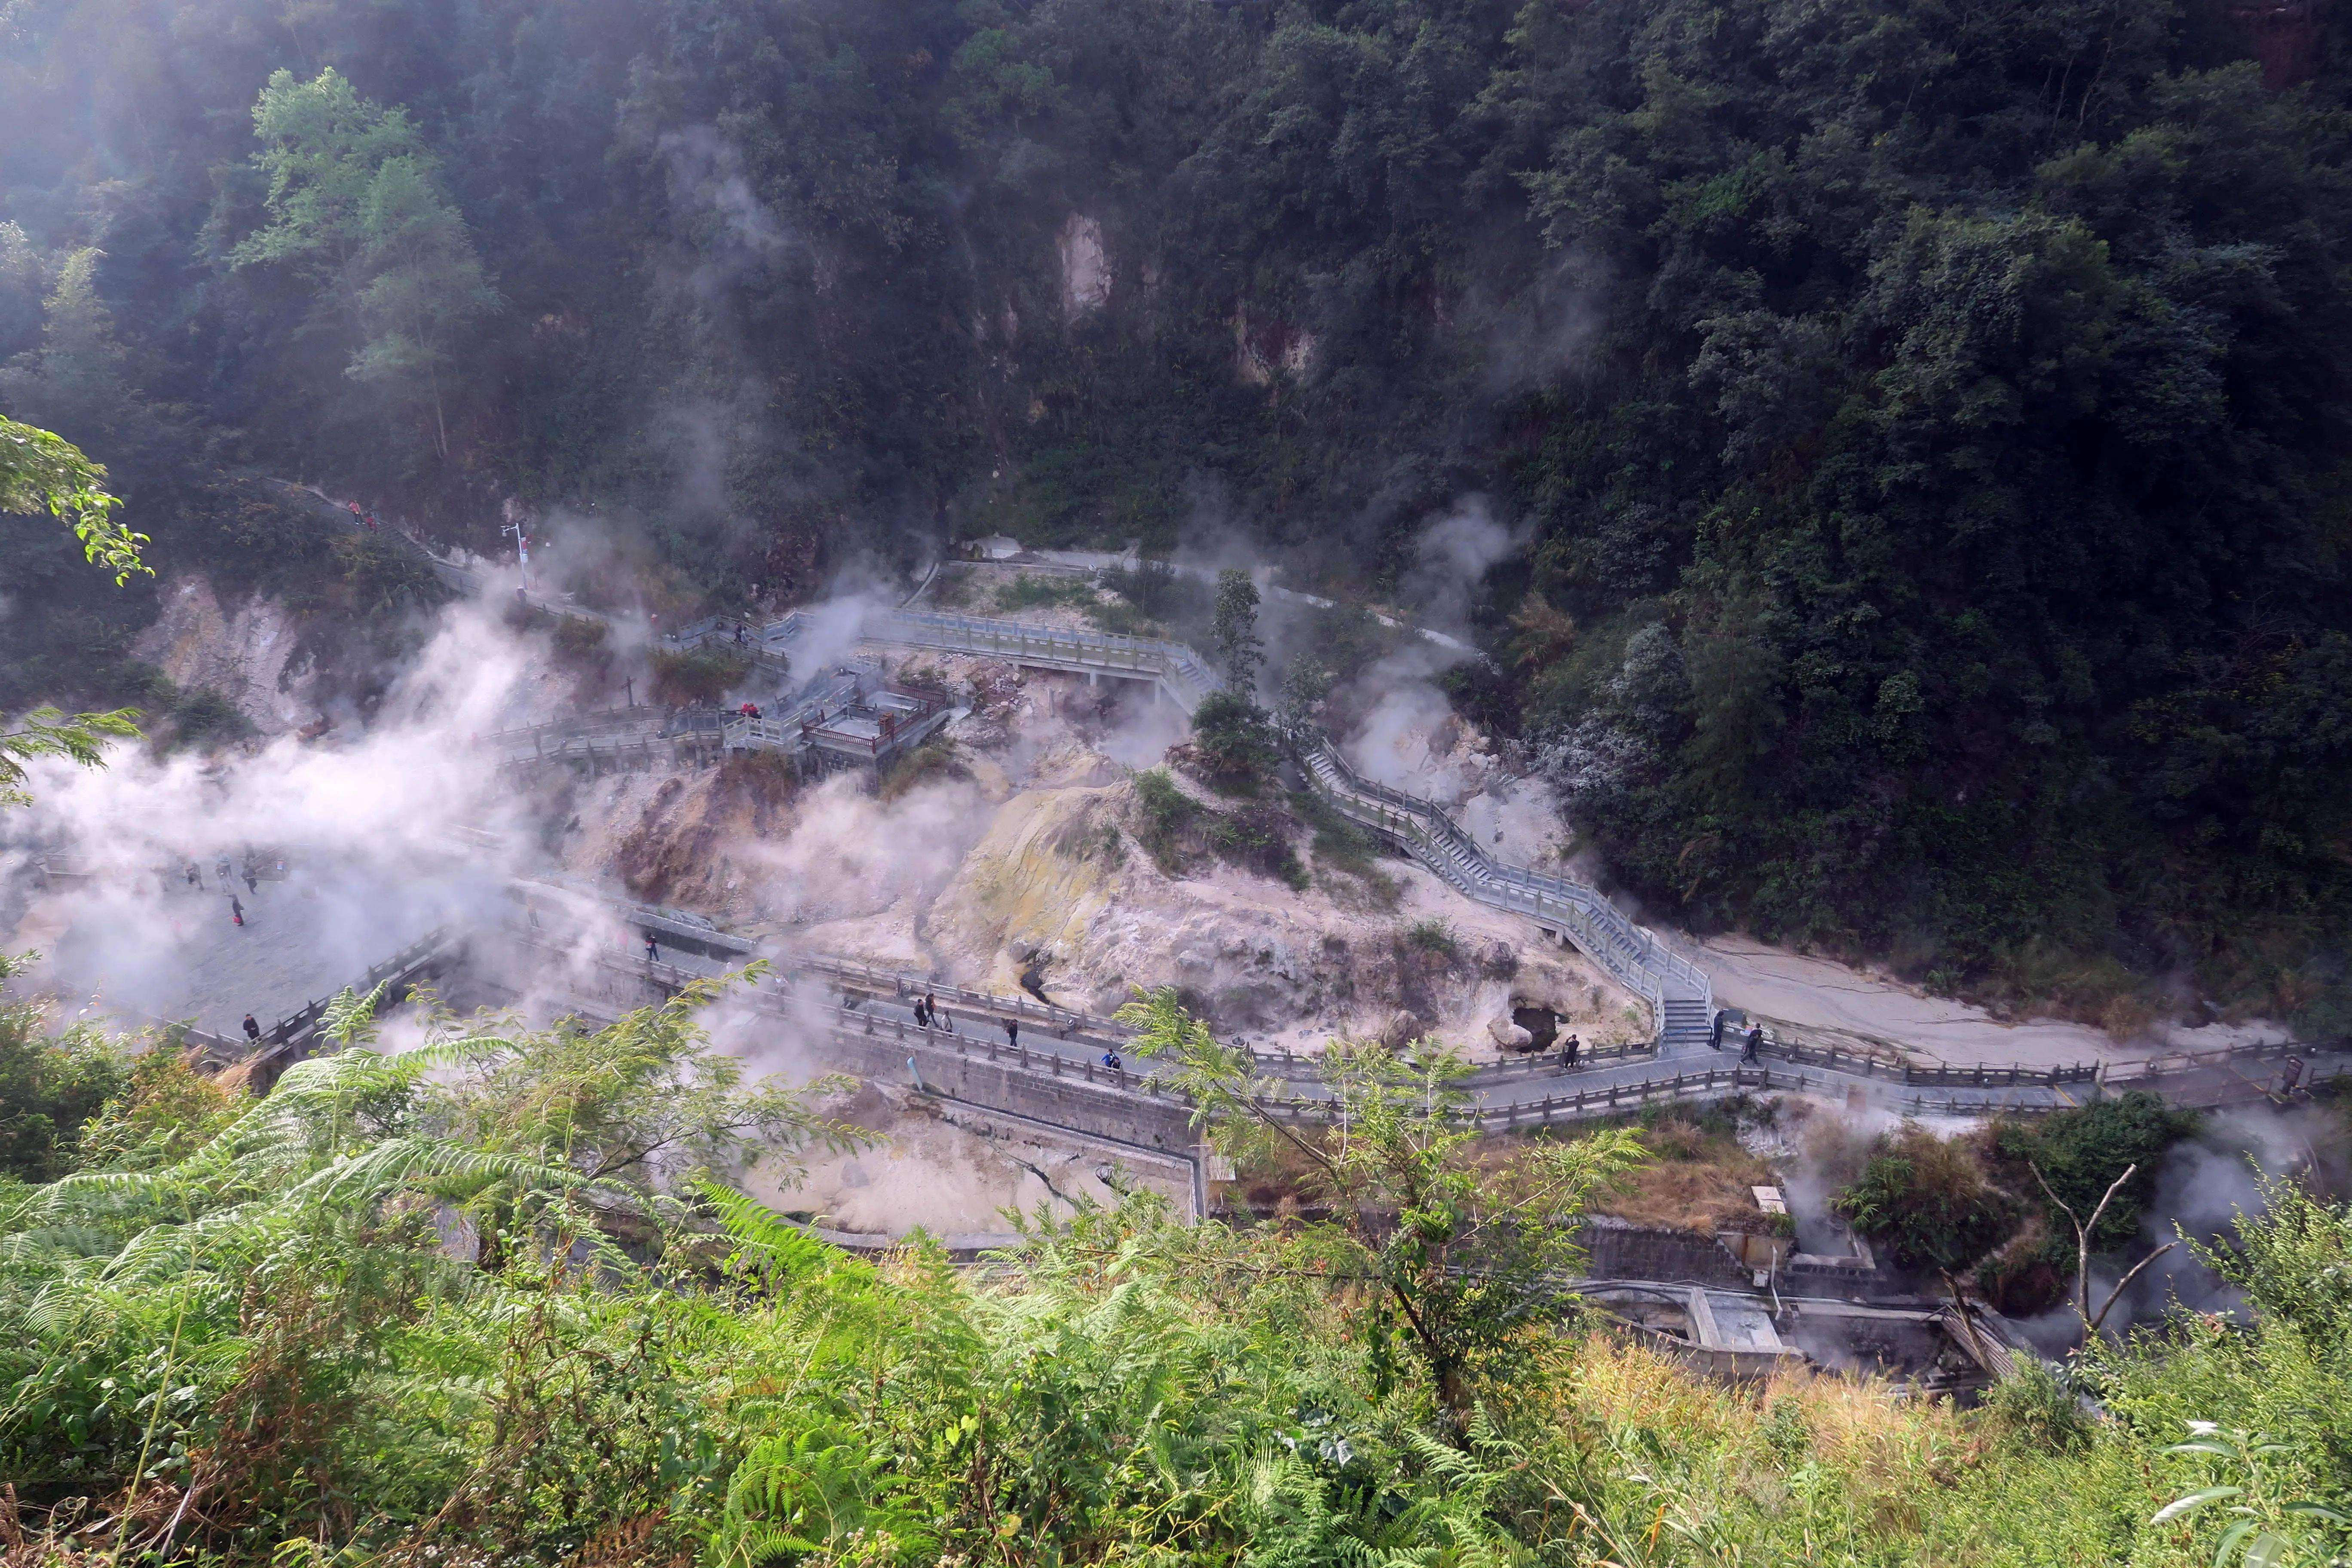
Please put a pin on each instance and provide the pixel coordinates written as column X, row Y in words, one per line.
column 49, row 734
column 1462, row 1253
column 2265, row 1530
column 43, row 472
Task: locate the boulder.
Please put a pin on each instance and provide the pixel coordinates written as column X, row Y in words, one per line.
column 1510, row 1036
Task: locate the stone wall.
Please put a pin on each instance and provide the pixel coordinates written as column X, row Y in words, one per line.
column 1619, row 1250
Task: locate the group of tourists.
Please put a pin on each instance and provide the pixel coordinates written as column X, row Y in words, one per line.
column 1752, row 1043
column 223, row 870
column 930, row 1015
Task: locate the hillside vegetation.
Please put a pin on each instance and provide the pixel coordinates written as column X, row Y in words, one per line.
column 481, row 1303
column 1924, row 426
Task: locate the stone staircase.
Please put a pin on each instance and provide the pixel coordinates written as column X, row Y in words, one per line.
column 1680, row 996
column 1688, row 1025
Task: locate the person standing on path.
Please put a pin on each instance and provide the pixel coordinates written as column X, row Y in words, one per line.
column 1715, row 1038
column 235, row 910
column 252, row 883
column 196, row 876
column 1567, row 1051
column 922, row 1012
column 252, row 1029
column 1012, row 1032
column 652, row 949
column 221, row 868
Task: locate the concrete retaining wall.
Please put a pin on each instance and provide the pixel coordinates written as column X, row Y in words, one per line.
column 1100, row 1110
column 1619, row 1250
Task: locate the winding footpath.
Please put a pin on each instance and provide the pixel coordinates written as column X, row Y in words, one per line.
column 1682, row 1060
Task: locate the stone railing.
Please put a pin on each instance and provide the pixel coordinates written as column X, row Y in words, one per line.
column 1631, row 956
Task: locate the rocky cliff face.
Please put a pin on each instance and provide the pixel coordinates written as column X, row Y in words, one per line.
column 247, row 654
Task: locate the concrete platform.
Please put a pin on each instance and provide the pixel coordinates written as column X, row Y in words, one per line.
column 141, row 957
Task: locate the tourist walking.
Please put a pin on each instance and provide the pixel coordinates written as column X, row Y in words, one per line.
column 235, row 910
column 1748, row 1052
column 252, row 883
column 2290, row 1077
column 922, row 1011
column 1012, row 1032
column 252, row 1029
column 1110, row 1060
column 196, row 876
column 221, row 866
column 652, row 949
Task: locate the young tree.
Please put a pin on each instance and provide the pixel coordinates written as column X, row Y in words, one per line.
column 1240, row 650
column 356, row 205
column 1454, row 1258
column 1304, row 687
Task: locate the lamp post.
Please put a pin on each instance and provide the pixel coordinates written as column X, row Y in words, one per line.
column 523, row 549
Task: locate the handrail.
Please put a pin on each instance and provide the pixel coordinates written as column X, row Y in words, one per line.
column 1631, row 956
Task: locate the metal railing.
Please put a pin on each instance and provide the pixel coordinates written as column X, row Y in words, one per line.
column 1176, row 666
column 1632, row 956
column 603, row 721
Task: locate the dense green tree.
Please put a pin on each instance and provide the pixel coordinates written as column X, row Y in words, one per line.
column 51, row 1083
column 1234, row 628
column 356, row 206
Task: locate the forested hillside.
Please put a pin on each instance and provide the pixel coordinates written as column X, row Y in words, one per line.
column 1925, row 424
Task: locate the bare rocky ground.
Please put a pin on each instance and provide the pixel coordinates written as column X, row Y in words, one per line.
column 246, row 653
column 1029, row 868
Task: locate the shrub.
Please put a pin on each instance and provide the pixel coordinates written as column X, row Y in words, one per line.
column 935, row 759
column 703, row 675
column 1232, row 744
column 1153, row 587
column 206, row 715
column 1165, row 813
column 1259, row 838
column 1027, row 593
column 1434, row 937
column 1927, row 1198
column 1173, row 828
column 2080, row 1152
column 384, row 577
